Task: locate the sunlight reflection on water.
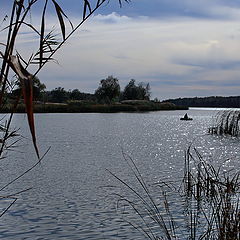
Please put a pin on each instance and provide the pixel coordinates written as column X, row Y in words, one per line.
column 73, row 195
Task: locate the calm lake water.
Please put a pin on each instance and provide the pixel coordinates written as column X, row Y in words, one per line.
column 73, row 196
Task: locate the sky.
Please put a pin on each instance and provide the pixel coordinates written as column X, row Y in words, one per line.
column 183, row 48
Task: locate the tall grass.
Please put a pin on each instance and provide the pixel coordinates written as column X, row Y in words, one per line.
column 203, row 204
column 226, row 123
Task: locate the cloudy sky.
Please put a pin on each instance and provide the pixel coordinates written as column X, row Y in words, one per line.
column 183, row 48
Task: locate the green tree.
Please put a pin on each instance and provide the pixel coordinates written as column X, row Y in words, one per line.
column 38, row 89
column 136, row 92
column 75, row 94
column 144, row 91
column 130, row 91
column 59, row 95
column 108, row 90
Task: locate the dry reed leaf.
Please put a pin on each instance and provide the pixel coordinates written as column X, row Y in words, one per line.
column 27, row 90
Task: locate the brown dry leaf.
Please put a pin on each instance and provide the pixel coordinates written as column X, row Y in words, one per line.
column 27, row 90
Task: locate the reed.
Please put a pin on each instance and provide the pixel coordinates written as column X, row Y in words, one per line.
column 226, row 123
column 203, row 204
column 216, row 194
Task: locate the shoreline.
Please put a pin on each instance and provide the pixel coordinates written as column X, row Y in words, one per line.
column 96, row 108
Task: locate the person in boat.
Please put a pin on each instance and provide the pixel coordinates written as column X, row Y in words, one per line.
column 186, row 116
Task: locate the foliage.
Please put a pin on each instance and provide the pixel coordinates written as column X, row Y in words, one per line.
column 136, row 92
column 108, row 90
column 80, row 106
column 38, row 89
column 75, row 94
column 15, row 64
column 59, row 94
column 214, row 101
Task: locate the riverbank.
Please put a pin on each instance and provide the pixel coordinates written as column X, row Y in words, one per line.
column 82, row 107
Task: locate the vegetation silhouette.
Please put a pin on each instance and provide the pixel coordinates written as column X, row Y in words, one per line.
column 203, row 204
column 14, row 64
column 213, row 101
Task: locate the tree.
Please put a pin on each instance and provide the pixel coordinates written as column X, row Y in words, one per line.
column 144, row 91
column 136, row 92
column 108, row 90
column 38, row 89
column 59, row 95
column 130, row 91
column 75, row 94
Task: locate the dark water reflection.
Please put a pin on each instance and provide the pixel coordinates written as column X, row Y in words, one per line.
column 72, row 195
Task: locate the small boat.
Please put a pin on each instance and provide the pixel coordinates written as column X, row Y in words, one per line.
column 186, row 118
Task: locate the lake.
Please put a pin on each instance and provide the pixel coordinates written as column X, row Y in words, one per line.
column 73, row 195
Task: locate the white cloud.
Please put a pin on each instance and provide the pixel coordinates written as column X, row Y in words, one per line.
column 183, row 51
column 111, row 18
column 143, row 49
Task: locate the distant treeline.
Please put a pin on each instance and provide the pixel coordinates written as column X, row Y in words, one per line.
column 108, row 92
column 213, row 101
column 107, row 98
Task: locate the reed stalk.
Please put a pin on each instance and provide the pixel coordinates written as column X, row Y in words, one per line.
column 206, row 200
column 226, row 123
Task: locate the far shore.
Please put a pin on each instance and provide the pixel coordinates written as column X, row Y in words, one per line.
column 133, row 106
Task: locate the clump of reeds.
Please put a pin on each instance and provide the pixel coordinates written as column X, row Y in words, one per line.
column 204, row 205
column 216, row 195
column 154, row 218
column 226, row 123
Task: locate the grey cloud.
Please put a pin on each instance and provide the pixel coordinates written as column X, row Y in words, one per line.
column 209, row 64
column 203, row 9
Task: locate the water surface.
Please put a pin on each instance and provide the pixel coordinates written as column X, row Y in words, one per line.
column 73, row 194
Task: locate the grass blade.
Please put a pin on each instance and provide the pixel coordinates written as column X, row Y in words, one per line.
column 87, row 6
column 42, row 34
column 59, row 12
